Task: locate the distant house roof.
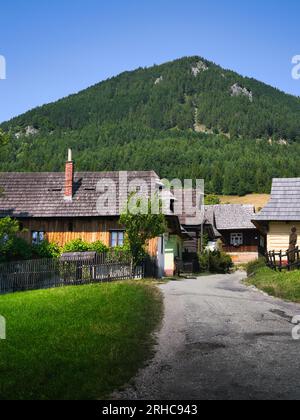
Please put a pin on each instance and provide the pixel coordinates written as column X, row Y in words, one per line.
column 219, row 217
column 232, row 216
column 27, row 195
column 209, row 219
column 284, row 204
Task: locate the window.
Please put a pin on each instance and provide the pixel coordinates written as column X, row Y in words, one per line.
column 117, row 238
column 236, row 239
column 37, row 237
column 4, row 239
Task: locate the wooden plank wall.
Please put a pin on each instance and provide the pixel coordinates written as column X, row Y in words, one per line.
column 278, row 235
column 89, row 230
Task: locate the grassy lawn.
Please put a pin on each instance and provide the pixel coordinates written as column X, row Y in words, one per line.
column 76, row 342
column 285, row 285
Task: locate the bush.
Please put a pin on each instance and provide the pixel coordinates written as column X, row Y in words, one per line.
column 215, row 262
column 253, row 266
column 119, row 253
column 212, row 200
column 16, row 249
column 99, row 247
column 47, row 250
column 77, row 245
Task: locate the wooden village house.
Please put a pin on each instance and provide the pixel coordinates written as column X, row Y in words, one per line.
column 281, row 214
column 231, row 226
column 61, row 207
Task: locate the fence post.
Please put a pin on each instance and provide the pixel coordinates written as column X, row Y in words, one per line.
column 280, row 261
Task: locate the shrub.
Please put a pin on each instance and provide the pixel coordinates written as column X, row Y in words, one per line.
column 77, row 245
column 16, row 249
column 215, row 262
column 119, row 253
column 47, row 250
column 253, row 266
column 11, row 246
column 211, row 200
column 99, row 247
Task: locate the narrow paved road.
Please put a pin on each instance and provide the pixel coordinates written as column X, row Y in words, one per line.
column 221, row 340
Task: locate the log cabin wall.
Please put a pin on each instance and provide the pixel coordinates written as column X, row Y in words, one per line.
column 251, row 241
column 279, row 235
column 62, row 231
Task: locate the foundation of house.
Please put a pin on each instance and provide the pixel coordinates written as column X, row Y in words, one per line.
column 243, row 257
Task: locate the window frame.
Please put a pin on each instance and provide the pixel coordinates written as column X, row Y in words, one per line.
column 237, row 239
column 119, row 239
column 40, row 237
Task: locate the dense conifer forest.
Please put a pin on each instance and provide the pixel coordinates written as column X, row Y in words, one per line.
column 188, row 118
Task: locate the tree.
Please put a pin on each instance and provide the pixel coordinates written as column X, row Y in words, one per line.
column 4, row 137
column 141, row 226
column 8, row 229
column 3, row 141
column 211, row 200
column 11, row 246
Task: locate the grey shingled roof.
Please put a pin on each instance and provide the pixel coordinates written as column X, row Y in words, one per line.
column 284, row 204
column 233, row 216
column 29, row 195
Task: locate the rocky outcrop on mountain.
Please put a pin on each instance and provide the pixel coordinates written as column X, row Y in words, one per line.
column 237, row 90
column 31, row 131
column 28, row 132
column 159, row 80
column 198, row 68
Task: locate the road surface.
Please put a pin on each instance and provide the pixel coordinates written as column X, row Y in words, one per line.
column 221, row 340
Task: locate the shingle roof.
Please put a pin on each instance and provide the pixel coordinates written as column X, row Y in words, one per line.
column 284, row 204
column 209, row 219
column 233, row 216
column 42, row 194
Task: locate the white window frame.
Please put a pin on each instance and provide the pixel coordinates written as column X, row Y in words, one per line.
column 236, row 239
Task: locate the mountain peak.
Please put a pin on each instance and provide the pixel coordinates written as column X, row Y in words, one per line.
column 176, row 118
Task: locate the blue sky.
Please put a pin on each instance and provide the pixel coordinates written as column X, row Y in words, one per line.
column 57, row 47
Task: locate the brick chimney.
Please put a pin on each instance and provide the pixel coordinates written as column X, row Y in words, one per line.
column 69, row 177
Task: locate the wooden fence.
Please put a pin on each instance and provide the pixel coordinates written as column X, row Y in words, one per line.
column 49, row 273
column 288, row 260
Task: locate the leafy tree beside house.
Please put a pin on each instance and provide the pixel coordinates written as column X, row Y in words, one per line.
column 142, row 225
column 11, row 246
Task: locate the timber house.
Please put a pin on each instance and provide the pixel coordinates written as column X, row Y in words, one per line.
column 281, row 214
column 61, row 207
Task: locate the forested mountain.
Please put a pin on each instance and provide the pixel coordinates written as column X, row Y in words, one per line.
column 187, row 118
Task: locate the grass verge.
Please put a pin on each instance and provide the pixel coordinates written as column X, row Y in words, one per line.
column 285, row 285
column 76, row 342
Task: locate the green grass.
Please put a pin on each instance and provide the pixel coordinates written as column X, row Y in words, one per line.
column 285, row 285
column 76, row 342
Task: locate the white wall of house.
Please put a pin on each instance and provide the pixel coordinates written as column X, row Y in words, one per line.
column 173, row 249
column 161, row 256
